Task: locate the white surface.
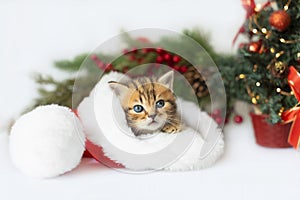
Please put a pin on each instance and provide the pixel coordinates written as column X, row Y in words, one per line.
column 246, row 171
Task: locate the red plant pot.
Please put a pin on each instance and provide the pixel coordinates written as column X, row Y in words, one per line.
column 270, row 135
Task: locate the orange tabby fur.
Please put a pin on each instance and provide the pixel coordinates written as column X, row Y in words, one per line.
column 146, row 92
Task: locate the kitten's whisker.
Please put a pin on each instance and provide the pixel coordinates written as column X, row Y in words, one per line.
column 172, row 122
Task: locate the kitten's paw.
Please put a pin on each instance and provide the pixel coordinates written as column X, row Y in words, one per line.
column 168, row 128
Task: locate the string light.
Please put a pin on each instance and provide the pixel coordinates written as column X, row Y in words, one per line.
column 264, row 30
column 253, row 100
column 286, row 6
column 268, row 35
column 257, row 84
column 254, row 30
column 272, row 50
column 242, row 76
column 257, row 7
column 298, row 54
column 278, row 90
column 252, row 48
column 281, row 111
column 282, row 40
column 277, row 55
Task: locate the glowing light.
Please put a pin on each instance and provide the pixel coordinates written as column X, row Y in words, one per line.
column 264, row 30
column 254, row 31
column 278, row 90
column 252, row 48
column 282, row 40
column 272, row 50
column 253, row 100
column 257, row 7
column 277, row 55
column 281, row 111
column 257, row 84
column 242, row 76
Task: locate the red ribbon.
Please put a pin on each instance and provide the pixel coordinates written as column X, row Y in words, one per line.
column 249, row 6
column 293, row 115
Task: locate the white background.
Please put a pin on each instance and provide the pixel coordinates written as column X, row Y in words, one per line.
column 33, row 34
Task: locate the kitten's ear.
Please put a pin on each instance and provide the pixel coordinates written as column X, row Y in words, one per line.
column 119, row 89
column 167, row 79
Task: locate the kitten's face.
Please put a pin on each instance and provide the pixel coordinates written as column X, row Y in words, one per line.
column 148, row 103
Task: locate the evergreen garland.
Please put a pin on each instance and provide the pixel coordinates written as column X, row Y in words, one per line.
column 61, row 92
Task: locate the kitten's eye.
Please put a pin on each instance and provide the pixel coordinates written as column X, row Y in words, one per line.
column 160, row 103
column 138, row 108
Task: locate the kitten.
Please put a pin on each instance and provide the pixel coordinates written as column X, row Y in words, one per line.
column 149, row 104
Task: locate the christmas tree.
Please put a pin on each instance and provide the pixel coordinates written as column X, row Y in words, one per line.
column 273, row 31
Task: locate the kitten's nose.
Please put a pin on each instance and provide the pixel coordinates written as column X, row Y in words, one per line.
column 152, row 116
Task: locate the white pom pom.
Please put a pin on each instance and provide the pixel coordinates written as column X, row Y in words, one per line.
column 47, row 141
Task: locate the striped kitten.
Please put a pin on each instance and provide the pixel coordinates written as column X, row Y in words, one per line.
column 149, row 104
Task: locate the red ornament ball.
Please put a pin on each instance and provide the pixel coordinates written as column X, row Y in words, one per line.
column 183, row 69
column 146, row 50
column 108, row 68
column 176, row 59
column 238, row 119
column 101, row 65
column 167, row 56
column 280, row 20
column 176, row 67
column 132, row 57
column 160, row 50
column 159, row 59
column 255, row 46
column 134, row 49
column 216, row 113
column 219, row 120
column 94, row 57
column 125, row 51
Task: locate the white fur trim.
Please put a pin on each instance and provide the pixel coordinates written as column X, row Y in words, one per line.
column 104, row 123
column 47, row 141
